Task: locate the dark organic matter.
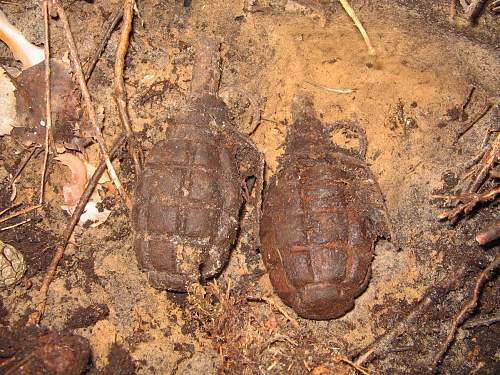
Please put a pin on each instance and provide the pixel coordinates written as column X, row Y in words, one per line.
column 323, row 213
column 34, row 352
column 189, row 198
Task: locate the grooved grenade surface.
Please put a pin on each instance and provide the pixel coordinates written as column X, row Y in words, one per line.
column 189, row 198
column 322, row 214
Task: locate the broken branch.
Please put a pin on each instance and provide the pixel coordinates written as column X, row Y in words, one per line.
column 484, row 276
column 114, row 22
column 120, row 93
column 48, row 106
column 88, row 103
column 432, row 296
column 469, row 202
column 485, row 166
column 271, row 303
column 471, row 123
column 19, row 213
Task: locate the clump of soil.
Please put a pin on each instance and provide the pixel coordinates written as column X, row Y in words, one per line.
column 119, row 362
column 31, row 351
column 87, row 316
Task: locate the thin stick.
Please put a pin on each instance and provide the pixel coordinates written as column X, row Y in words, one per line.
column 104, row 41
column 48, row 106
column 431, row 297
column 346, row 360
column 357, row 22
column 15, row 225
column 482, row 322
column 120, row 93
column 88, row 103
column 270, row 302
column 467, row 98
column 41, row 298
column 469, row 202
column 19, row 213
column 471, row 123
column 9, row 208
column 331, row 89
column 484, row 276
column 485, row 165
column 24, row 162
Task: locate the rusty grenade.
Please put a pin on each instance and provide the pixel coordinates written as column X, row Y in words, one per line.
column 322, row 214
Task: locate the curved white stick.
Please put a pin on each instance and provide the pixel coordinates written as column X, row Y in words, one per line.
column 24, row 51
column 359, row 25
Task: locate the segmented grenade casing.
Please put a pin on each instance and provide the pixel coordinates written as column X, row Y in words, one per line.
column 187, row 206
column 189, row 197
column 322, row 214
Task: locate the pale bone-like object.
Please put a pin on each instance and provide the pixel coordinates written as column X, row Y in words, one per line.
column 21, row 48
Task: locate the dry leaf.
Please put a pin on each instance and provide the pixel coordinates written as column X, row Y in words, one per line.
column 81, row 171
column 74, row 190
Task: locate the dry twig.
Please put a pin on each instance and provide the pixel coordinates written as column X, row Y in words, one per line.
column 469, row 201
column 485, row 165
column 467, row 98
column 9, row 208
column 476, row 118
column 271, row 303
column 35, row 151
column 331, row 89
column 117, row 17
column 41, row 298
column 470, row 197
column 483, row 277
column 357, row 22
column 48, row 106
column 346, row 360
column 18, row 213
column 88, row 103
column 482, row 322
column 434, row 294
column 15, row 225
column 120, row 93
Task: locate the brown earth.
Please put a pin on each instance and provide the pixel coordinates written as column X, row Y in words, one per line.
column 408, row 99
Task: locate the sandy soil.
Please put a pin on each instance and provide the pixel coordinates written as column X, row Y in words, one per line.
column 406, row 97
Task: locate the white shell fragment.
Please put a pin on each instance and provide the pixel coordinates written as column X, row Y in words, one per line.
column 12, row 265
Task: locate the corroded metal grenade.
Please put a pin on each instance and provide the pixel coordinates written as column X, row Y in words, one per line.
column 190, row 196
column 322, row 214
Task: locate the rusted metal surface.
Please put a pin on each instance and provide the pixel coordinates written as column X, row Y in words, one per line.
column 322, row 214
column 189, row 198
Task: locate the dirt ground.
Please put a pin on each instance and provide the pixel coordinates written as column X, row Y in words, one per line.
column 407, row 98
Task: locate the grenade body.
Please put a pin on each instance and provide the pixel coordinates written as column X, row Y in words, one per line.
column 322, row 214
column 187, row 206
column 189, row 198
